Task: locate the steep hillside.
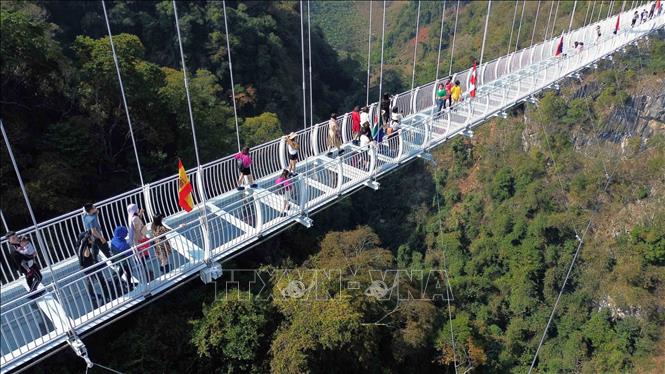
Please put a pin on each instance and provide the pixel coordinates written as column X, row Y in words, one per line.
column 345, row 25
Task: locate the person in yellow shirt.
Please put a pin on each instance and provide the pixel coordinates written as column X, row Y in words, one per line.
column 456, row 92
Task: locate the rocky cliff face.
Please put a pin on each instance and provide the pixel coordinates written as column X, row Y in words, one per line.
column 641, row 117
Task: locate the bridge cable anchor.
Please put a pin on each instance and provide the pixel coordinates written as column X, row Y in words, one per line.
column 80, row 349
column 211, row 272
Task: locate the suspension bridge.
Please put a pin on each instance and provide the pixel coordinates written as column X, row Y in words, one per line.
column 226, row 222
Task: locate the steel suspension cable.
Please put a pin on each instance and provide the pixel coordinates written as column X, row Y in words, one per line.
column 438, row 56
column 302, row 55
column 600, row 11
column 609, row 11
column 519, row 29
column 445, row 267
column 593, row 10
column 233, row 92
column 184, row 73
column 452, row 48
column 549, row 18
column 512, row 28
column 588, row 7
column 556, row 12
column 369, row 50
column 202, row 206
column 4, row 222
column 487, row 21
column 40, row 240
column 535, row 24
column 572, row 17
column 383, row 32
column 122, row 92
column 309, row 49
column 574, row 259
column 415, row 48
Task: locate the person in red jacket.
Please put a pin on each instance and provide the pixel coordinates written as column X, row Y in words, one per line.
column 355, row 124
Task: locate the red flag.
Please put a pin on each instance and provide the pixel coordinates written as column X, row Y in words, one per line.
column 184, row 189
column 616, row 27
column 472, row 81
column 559, row 47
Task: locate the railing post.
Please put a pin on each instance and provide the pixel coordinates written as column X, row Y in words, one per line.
column 204, row 215
column 314, row 138
column 259, row 213
column 340, row 175
column 345, row 127
column 400, row 152
column 303, row 218
column 148, row 201
column 429, row 122
column 414, row 101
column 282, row 153
column 496, row 68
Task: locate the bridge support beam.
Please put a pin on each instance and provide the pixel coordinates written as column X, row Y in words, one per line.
column 305, row 221
column 372, row 184
column 427, row 156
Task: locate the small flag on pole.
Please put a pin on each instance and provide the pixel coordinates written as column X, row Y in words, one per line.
column 616, row 27
column 473, row 80
column 559, row 47
column 184, row 189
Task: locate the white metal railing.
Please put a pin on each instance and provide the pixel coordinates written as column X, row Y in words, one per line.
column 33, row 323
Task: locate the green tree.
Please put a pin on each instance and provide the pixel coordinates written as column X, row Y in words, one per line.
column 232, row 333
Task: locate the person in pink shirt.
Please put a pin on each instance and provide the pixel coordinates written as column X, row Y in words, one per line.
column 284, row 189
column 355, row 124
column 449, row 90
column 244, row 161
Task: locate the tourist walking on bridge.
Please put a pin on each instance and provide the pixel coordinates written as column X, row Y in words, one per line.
column 162, row 246
column 385, row 109
column 334, row 135
column 355, row 125
column 395, row 120
column 138, row 236
column 456, row 93
column 449, row 90
column 122, row 249
column 244, row 161
column 88, row 253
column 25, row 258
column 364, row 118
column 91, row 223
column 293, row 148
column 636, row 16
column 440, row 97
column 284, row 190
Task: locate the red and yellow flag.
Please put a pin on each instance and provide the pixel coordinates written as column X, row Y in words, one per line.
column 184, row 189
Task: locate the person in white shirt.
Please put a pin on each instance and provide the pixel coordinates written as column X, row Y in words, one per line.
column 395, row 120
column 364, row 117
column 293, row 148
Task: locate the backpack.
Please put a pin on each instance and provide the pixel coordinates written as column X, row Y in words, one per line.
column 86, row 250
column 240, row 163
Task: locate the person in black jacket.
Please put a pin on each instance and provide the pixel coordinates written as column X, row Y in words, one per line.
column 385, row 109
column 25, row 259
column 88, row 254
